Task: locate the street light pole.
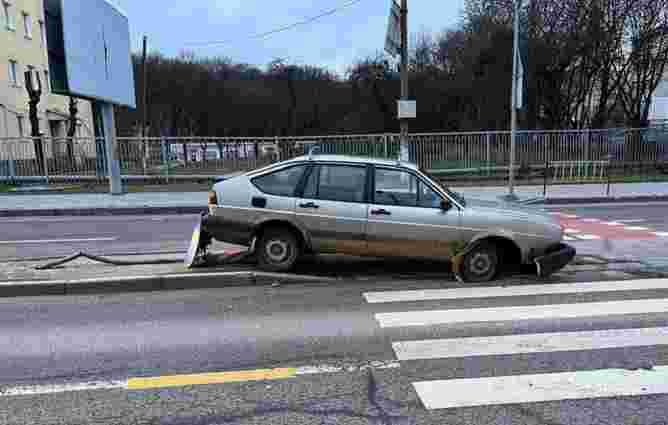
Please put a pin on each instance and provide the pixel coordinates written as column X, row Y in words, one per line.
column 513, row 101
column 403, row 122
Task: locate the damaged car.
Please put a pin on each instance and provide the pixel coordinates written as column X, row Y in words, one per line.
column 331, row 204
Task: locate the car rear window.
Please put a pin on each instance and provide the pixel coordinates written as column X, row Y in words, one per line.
column 280, row 183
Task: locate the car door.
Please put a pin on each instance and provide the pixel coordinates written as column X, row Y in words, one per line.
column 333, row 208
column 405, row 217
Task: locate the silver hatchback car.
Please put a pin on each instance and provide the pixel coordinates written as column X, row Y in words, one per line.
column 369, row 207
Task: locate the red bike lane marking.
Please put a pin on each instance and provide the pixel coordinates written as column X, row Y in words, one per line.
column 603, row 230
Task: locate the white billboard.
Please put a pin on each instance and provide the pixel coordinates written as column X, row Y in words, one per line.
column 89, row 51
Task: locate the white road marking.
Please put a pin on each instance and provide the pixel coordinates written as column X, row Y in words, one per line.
column 123, row 384
column 444, row 394
column 62, row 388
column 514, row 291
column 569, row 238
column 661, row 234
column 589, row 237
column 376, row 364
column 636, row 228
column 571, row 231
column 571, row 216
column 533, row 312
column 531, row 343
column 639, row 220
column 614, row 223
column 591, row 220
column 36, row 241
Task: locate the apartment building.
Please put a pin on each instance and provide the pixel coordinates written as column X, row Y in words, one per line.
column 23, row 47
column 658, row 113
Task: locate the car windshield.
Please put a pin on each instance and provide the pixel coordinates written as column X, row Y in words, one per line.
column 455, row 195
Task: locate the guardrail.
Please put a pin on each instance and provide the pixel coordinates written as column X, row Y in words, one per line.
column 484, row 154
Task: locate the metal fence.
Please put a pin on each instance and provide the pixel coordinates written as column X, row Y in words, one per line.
column 447, row 153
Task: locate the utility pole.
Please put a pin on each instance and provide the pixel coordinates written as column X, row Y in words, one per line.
column 514, row 101
column 144, row 105
column 403, row 122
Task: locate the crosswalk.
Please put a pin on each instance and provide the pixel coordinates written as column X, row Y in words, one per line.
column 578, row 228
column 535, row 385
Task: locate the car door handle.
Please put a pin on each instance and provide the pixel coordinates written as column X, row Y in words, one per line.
column 380, row 212
column 309, row 205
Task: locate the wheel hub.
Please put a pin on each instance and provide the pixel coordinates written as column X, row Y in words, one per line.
column 480, row 264
column 277, row 251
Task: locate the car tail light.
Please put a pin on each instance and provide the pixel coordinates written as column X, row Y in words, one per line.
column 213, row 198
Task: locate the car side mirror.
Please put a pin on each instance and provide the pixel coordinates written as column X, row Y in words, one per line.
column 446, row 205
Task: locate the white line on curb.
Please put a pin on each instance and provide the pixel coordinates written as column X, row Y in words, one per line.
column 36, row 241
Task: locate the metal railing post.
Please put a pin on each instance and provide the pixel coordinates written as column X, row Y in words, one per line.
column 489, row 153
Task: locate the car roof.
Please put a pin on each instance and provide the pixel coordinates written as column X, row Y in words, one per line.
column 354, row 159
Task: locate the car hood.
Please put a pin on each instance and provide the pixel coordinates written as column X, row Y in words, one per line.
column 510, row 209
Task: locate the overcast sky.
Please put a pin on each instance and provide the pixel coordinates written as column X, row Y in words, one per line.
column 334, row 41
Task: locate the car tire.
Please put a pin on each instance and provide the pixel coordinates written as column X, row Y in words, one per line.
column 277, row 250
column 481, row 263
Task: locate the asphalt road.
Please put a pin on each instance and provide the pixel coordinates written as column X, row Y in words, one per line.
column 34, row 237
column 340, row 338
column 61, row 236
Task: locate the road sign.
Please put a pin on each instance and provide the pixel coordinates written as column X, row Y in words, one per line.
column 393, row 37
column 407, row 108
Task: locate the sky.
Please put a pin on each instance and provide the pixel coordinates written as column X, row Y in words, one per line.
column 333, row 42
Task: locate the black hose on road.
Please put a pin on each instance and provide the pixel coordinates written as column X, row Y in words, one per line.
column 104, row 260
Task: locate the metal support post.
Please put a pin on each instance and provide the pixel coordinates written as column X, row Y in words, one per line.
column 111, row 148
column 403, row 122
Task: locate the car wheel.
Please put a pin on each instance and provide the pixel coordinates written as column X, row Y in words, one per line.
column 481, row 264
column 277, row 250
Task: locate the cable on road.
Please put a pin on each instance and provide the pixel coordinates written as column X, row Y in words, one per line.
column 104, row 260
column 208, row 259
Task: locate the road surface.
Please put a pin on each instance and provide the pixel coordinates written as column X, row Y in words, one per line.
column 351, row 353
column 61, row 236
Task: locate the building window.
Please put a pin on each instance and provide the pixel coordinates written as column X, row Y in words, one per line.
column 13, row 72
column 42, row 33
column 7, row 14
column 27, row 25
column 19, row 122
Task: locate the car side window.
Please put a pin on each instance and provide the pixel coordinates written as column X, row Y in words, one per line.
column 280, row 183
column 344, row 183
column 401, row 188
column 395, row 187
column 427, row 197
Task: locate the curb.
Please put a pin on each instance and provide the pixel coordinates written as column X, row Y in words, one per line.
column 101, row 211
column 150, row 283
column 607, row 200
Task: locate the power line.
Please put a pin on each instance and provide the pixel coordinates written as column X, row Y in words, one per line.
column 285, row 28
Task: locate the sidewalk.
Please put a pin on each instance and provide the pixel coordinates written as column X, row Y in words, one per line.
column 14, row 205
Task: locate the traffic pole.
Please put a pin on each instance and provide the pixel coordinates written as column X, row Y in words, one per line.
column 513, row 103
column 403, row 122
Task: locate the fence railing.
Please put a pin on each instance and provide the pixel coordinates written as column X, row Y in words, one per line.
column 84, row 158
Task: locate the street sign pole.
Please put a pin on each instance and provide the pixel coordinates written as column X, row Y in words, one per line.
column 111, row 148
column 514, row 103
column 403, row 122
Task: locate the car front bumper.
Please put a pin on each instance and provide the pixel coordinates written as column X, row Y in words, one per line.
column 556, row 258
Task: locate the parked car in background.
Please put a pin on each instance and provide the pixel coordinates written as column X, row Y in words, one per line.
column 380, row 208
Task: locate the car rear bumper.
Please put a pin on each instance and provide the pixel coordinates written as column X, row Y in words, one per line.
column 224, row 230
column 556, row 258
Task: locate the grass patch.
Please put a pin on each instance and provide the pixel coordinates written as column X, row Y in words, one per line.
column 6, row 188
